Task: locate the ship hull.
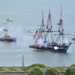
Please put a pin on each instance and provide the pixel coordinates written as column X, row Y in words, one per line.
column 53, row 48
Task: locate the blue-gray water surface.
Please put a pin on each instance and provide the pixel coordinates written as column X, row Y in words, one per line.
column 26, row 15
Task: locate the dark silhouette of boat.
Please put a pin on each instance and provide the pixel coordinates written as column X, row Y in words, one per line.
column 44, row 37
column 8, row 38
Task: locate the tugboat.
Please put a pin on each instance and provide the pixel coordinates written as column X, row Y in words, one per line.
column 44, row 37
column 8, row 38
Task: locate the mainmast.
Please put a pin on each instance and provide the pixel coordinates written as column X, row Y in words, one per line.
column 49, row 28
column 49, row 22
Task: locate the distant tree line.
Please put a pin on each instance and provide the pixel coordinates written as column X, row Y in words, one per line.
column 51, row 71
column 38, row 69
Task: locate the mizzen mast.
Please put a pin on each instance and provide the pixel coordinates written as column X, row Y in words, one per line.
column 42, row 24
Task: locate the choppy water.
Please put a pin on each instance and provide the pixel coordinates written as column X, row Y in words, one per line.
column 26, row 15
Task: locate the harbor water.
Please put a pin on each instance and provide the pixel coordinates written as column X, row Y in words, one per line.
column 26, row 16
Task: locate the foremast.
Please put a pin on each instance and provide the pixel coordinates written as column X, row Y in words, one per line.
column 61, row 32
column 61, row 29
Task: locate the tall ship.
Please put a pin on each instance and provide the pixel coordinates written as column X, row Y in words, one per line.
column 44, row 36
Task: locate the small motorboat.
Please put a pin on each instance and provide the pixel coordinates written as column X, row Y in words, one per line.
column 3, row 29
column 8, row 38
column 9, row 20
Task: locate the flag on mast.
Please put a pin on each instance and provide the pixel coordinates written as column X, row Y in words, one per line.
column 34, row 36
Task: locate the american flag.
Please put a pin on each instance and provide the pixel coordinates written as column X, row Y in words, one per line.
column 34, row 36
